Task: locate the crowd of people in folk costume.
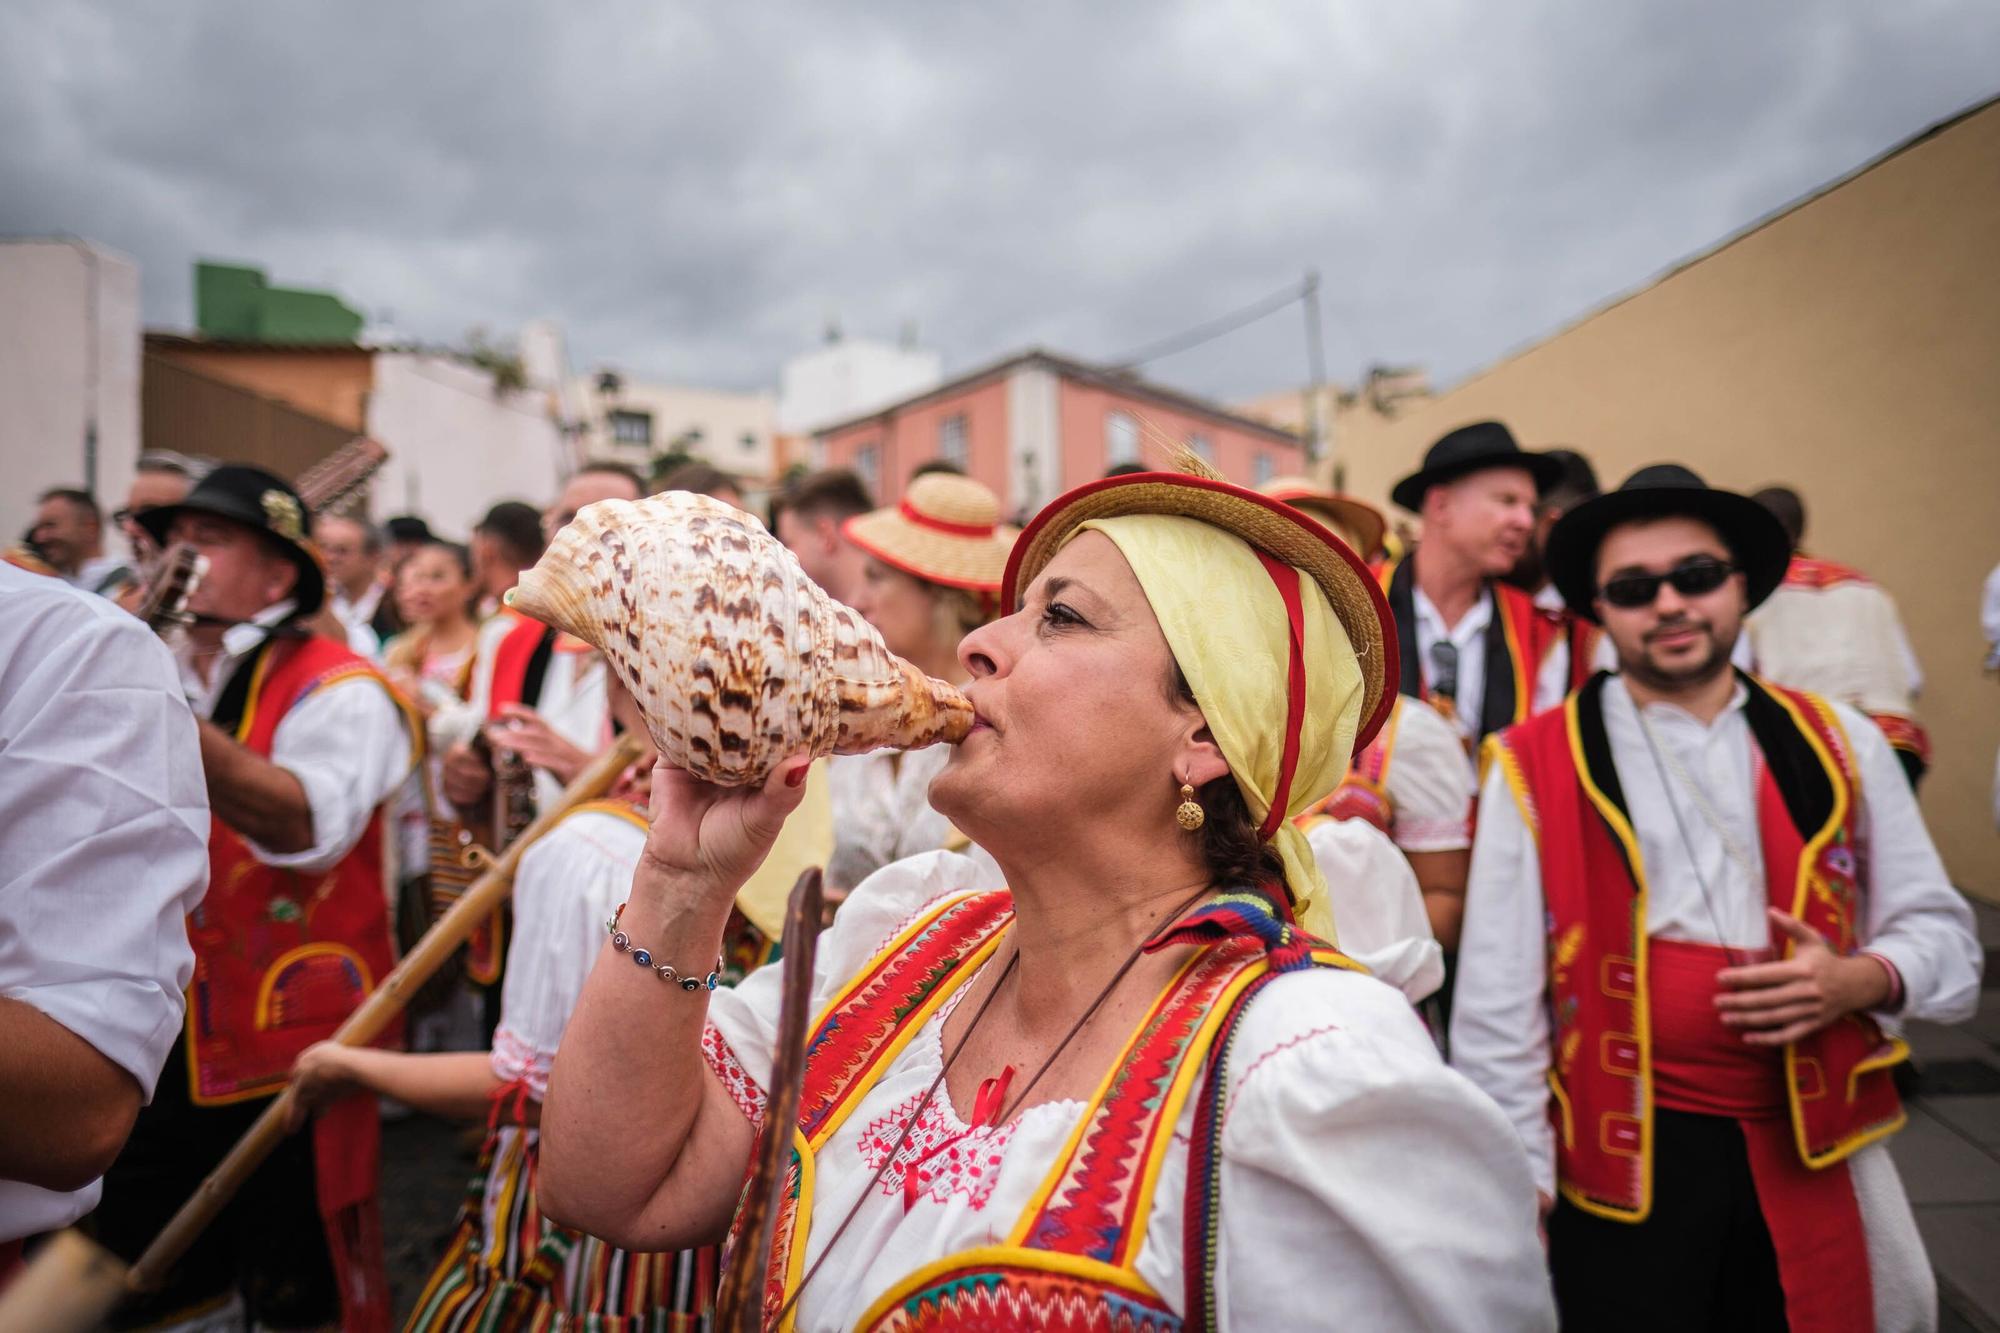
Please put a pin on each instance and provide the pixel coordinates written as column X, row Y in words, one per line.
column 1579, row 835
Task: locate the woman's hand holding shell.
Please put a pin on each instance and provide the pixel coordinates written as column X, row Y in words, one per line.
column 707, row 840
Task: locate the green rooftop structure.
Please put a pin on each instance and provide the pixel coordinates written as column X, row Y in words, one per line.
column 234, row 303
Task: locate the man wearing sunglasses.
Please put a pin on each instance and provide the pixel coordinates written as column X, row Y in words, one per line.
column 1700, row 907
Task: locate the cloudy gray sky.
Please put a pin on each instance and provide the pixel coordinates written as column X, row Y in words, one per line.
column 694, row 189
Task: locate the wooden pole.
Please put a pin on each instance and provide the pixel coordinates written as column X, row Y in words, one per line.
column 51, row 1295
column 739, row 1306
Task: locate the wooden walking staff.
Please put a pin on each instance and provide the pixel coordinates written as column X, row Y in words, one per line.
column 739, row 1306
column 46, row 1296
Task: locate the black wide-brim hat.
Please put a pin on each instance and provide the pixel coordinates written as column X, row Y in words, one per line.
column 1756, row 540
column 1469, row 449
column 262, row 502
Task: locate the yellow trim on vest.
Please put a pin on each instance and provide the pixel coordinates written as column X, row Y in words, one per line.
column 1622, row 830
column 964, row 972
column 1493, row 750
column 316, row 949
column 1899, row 1050
column 1387, row 740
column 1562, row 1104
column 413, row 725
column 618, row 809
column 858, row 1090
column 801, row 1227
column 257, row 674
column 1524, row 684
column 1013, row 1256
column 1039, row 1199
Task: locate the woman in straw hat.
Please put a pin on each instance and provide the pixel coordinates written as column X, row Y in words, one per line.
column 931, row 575
column 1131, row 1090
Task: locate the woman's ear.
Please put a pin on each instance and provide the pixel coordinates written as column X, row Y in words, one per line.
column 1200, row 760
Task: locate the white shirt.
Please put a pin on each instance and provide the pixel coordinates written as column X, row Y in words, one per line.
column 1912, row 916
column 1430, row 782
column 1845, row 642
column 103, row 839
column 347, row 744
column 1359, row 1175
column 882, row 810
column 1550, row 675
column 356, row 616
column 1378, row 909
column 572, row 702
column 568, row 884
column 101, row 574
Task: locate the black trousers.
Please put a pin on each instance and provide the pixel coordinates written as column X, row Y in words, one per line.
column 1702, row 1260
column 269, row 1243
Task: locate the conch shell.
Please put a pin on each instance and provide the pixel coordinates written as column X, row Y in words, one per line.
column 736, row 658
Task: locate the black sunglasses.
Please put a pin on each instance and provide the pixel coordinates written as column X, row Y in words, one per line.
column 1690, row 578
column 1444, row 669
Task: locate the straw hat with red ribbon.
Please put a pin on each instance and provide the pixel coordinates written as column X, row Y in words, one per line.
column 1276, row 624
column 946, row 530
column 1355, row 521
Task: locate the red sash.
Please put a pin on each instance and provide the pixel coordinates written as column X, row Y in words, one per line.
column 281, row 957
column 1699, row 1065
column 1604, row 1072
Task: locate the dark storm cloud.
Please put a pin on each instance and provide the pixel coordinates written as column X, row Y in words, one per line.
column 694, row 190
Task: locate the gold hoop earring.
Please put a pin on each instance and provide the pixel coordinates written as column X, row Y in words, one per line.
column 1190, row 816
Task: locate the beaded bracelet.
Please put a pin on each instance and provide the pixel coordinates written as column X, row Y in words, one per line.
column 666, row 971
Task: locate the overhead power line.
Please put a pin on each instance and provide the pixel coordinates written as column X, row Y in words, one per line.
column 1215, row 328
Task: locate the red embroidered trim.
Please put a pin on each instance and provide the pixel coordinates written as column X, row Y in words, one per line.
column 1243, row 1079
column 949, row 1156
column 743, row 1089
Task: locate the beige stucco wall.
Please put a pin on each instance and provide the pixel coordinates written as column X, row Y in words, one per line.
column 1850, row 349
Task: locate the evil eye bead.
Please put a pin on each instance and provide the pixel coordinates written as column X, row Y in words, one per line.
column 714, row 980
column 690, row 983
column 642, row 958
column 620, row 941
column 668, row 972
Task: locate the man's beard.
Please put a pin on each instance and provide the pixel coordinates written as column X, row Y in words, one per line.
column 1642, row 668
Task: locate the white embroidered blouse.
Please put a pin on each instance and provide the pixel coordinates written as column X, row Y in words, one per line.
column 1362, row 1181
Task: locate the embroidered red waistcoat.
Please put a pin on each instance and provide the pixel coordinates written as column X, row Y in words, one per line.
column 1528, row 633
column 1559, row 768
column 282, row 956
column 1902, row 731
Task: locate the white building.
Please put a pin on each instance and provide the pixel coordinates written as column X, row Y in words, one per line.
column 457, row 443
column 636, row 421
column 69, row 373
column 846, row 377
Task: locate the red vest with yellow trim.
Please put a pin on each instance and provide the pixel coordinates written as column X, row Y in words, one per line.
column 1070, row 1261
column 1527, row 634
column 1559, row 767
column 282, row 956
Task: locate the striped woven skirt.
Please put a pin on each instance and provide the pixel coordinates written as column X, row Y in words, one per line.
column 508, row 1269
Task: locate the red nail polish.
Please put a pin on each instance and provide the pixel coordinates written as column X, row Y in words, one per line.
column 797, row 776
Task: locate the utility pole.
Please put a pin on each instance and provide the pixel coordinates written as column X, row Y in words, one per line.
column 1315, row 367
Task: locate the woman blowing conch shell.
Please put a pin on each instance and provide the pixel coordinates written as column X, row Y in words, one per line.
column 1133, row 1069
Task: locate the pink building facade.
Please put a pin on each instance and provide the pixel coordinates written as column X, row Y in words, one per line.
column 1034, row 425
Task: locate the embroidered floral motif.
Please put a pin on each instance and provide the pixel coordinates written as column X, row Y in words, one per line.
column 514, row 1059
column 968, row 1166
column 744, row 1090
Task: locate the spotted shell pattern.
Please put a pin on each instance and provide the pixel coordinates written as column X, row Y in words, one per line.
column 736, row 658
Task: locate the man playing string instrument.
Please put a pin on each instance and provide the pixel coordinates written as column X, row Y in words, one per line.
column 301, row 743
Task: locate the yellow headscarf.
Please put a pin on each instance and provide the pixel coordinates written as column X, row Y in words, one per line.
column 1227, row 626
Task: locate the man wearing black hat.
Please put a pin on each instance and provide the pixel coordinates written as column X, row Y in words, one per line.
column 1476, row 648
column 301, row 743
column 1700, row 906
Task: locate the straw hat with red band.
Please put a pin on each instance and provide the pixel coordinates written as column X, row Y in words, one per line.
column 1354, row 518
column 947, row 530
column 1270, row 526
